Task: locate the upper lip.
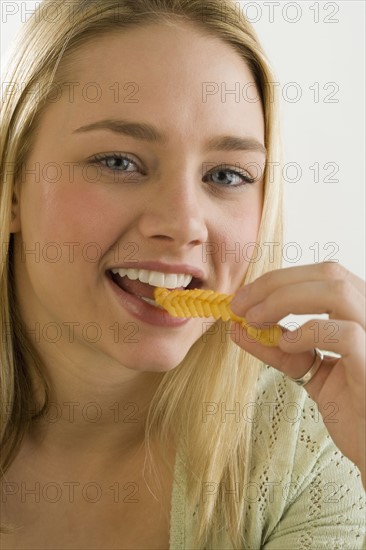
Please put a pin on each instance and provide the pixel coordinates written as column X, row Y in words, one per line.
column 187, row 269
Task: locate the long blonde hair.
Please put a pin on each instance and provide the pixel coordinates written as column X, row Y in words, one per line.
column 215, row 370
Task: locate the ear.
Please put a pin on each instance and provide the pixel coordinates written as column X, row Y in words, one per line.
column 15, row 211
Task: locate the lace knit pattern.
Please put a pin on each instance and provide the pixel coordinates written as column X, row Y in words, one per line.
column 303, row 493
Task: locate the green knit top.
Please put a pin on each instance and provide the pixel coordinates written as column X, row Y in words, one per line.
column 303, row 493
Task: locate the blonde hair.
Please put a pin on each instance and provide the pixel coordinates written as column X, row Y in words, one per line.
column 215, row 370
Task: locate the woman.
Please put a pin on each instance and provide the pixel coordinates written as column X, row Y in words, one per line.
column 118, row 156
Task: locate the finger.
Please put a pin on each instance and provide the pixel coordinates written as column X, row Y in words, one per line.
column 258, row 290
column 338, row 298
column 345, row 338
column 295, row 353
column 276, row 357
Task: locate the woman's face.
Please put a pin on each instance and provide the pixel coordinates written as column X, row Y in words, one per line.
column 171, row 200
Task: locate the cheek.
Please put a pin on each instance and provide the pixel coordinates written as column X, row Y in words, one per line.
column 243, row 223
column 237, row 244
column 75, row 212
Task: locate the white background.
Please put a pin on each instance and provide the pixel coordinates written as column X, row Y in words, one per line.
column 318, row 45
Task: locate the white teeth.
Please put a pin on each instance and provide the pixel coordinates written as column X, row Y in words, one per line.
column 181, row 279
column 171, row 281
column 187, row 280
column 156, row 278
column 133, row 274
column 143, row 275
column 150, row 302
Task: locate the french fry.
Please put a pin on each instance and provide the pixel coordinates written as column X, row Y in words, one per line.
column 208, row 303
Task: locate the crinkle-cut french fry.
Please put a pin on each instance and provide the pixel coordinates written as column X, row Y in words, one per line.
column 208, row 303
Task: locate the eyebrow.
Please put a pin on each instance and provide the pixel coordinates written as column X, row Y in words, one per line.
column 151, row 134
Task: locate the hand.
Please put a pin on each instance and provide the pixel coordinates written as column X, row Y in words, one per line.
column 315, row 289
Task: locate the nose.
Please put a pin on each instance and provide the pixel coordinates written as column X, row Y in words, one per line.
column 175, row 211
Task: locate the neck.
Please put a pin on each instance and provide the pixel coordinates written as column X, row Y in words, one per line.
column 96, row 409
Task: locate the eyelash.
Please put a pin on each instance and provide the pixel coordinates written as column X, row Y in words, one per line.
column 98, row 159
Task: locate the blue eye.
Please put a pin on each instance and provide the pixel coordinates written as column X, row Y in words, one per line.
column 228, row 177
column 231, row 175
column 119, row 162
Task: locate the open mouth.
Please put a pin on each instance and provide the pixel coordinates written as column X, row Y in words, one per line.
column 132, row 284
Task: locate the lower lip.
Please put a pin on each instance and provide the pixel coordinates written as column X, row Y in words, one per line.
column 143, row 311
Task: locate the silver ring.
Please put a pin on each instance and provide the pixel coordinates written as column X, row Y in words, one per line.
column 318, row 359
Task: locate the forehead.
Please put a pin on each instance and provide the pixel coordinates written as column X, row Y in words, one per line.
column 172, row 76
